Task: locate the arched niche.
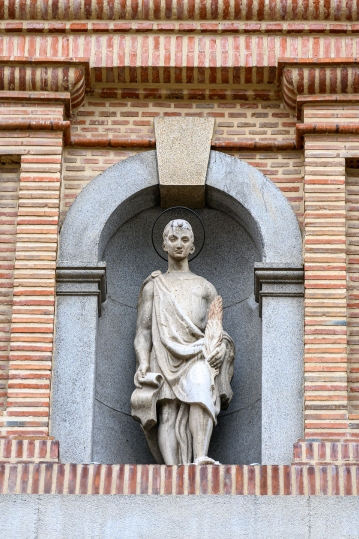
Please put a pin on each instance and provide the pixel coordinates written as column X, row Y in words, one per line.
column 249, row 221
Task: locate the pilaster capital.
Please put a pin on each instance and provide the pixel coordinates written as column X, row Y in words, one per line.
column 271, row 280
column 82, row 281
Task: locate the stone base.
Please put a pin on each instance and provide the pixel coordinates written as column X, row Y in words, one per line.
column 179, row 517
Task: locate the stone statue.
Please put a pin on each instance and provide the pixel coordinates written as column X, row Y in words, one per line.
column 184, row 358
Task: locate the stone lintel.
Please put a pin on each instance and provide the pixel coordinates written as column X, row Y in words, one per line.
column 183, row 149
column 285, row 280
column 82, row 281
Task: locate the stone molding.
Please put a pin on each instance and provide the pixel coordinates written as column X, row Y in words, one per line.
column 132, row 479
column 82, row 10
column 82, row 281
column 282, row 281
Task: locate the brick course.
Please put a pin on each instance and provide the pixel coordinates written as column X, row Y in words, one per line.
column 132, row 479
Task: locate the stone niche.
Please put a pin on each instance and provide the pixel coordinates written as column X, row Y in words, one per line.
column 227, row 261
column 252, row 255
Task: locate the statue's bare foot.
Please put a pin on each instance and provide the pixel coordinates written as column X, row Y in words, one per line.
column 205, row 460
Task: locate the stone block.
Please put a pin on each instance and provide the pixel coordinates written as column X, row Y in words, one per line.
column 183, row 148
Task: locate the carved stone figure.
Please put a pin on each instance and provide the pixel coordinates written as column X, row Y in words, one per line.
column 184, row 358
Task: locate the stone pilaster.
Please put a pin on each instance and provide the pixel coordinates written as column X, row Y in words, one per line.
column 279, row 291
column 80, row 292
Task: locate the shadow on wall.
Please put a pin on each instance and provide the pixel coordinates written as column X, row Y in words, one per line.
column 227, row 261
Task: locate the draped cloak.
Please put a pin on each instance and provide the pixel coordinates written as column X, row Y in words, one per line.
column 178, row 371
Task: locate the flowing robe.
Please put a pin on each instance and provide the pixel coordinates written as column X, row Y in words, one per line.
column 178, row 371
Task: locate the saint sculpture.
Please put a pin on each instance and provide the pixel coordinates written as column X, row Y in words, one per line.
column 184, row 358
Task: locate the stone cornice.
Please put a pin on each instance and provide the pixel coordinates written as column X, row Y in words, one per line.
column 252, row 10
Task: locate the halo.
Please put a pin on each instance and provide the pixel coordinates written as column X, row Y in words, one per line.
column 179, row 208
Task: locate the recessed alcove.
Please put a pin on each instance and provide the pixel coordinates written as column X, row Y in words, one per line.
column 227, row 261
column 247, row 221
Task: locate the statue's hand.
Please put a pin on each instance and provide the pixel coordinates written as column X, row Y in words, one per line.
column 215, row 359
column 140, row 375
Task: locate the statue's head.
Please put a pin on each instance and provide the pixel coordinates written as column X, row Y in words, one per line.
column 178, row 239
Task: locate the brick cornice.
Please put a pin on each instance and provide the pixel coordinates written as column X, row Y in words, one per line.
column 303, row 129
column 327, row 99
column 179, row 27
column 59, row 98
column 29, row 449
column 313, row 76
column 38, row 124
column 45, row 74
column 225, row 145
column 253, row 10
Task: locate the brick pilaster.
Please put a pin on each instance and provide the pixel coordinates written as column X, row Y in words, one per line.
column 325, row 249
column 34, row 259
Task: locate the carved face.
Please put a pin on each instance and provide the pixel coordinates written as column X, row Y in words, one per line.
column 178, row 243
